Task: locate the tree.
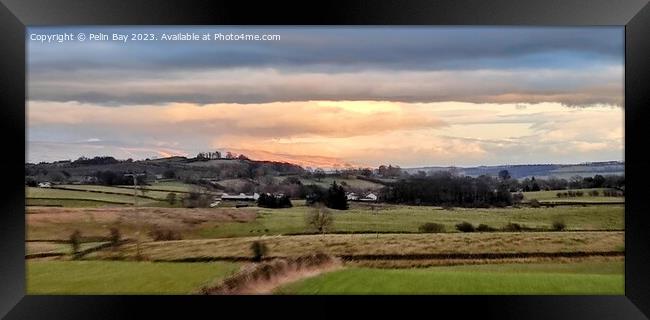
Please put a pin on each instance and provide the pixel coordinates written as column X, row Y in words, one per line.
column 320, row 219
column 319, row 174
column 535, row 186
column 336, row 198
column 171, row 198
column 259, row 250
column 75, row 241
column 169, row 174
column 504, row 175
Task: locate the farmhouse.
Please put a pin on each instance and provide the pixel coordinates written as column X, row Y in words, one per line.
column 44, row 185
column 240, row 197
column 369, row 197
column 352, row 196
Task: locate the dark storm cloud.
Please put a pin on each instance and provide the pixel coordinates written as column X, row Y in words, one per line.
column 398, row 64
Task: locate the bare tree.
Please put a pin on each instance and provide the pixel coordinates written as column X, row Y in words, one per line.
column 320, row 219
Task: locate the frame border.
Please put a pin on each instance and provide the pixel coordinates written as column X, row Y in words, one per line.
column 15, row 15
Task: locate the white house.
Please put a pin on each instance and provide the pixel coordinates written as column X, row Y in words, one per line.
column 44, row 185
column 352, row 196
column 369, row 197
column 241, row 196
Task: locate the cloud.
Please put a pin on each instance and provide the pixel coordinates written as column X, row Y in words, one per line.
column 573, row 66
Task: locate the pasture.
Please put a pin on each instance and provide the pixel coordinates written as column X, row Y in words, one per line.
column 589, row 278
column 551, row 196
column 120, row 277
column 108, row 198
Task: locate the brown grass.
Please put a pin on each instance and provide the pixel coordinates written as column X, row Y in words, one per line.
column 385, row 244
column 57, row 223
column 262, row 278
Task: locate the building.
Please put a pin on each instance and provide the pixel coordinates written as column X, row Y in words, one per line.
column 369, row 197
column 44, row 185
column 352, row 196
column 240, row 197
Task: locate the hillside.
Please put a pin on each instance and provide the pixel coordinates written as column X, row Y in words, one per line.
column 536, row 170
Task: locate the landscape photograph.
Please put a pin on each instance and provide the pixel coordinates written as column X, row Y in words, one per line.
column 325, row 160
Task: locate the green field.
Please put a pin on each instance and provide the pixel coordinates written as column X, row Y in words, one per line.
column 575, row 278
column 71, row 203
column 159, row 195
column 545, row 196
column 167, row 186
column 350, row 182
column 51, row 193
column 117, row 277
column 397, row 218
column 57, row 247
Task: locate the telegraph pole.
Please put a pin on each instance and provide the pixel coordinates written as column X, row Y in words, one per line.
column 135, row 202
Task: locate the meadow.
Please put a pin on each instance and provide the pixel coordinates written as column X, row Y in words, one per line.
column 119, row 277
column 551, row 196
column 589, row 278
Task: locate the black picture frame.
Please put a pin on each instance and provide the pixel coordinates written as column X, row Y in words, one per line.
column 15, row 15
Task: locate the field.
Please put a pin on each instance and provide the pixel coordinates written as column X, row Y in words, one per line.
column 549, row 196
column 57, row 223
column 117, row 277
column 58, row 194
column 382, row 244
column 576, row 278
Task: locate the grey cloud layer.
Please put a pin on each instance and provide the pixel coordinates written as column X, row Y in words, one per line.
column 574, row 66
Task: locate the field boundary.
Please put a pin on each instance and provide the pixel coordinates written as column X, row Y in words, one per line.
column 424, row 256
column 75, row 199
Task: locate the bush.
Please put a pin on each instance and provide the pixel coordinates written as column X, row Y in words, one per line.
column 485, row 228
column 465, row 227
column 594, row 193
column 115, row 236
column 558, row 225
column 171, row 198
column 75, row 241
column 431, row 227
column 259, row 250
column 271, row 201
column 534, row 203
column 160, row 234
column 512, row 227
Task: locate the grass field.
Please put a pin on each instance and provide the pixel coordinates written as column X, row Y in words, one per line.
column 45, row 223
column 51, row 193
column 117, row 277
column 546, row 196
column 370, row 244
column 159, row 195
column 350, row 182
column 50, row 223
column 576, row 278
column 57, row 247
column 397, row 218
column 71, row 203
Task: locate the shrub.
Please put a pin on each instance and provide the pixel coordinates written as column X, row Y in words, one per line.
column 75, row 241
column 594, row 193
column 320, row 219
column 271, row 201
column 512, row 227
column 465, row 227
column 171, row 198
column 485, row 228
column 580, row 193
column 259, row 250
column 161, row 234
column 534, row 203
column 431, row 227
column 115, row 236
column 558, row 225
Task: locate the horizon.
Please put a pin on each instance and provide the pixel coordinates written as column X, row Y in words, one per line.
column 333, row 97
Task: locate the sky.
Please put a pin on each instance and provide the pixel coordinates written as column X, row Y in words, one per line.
column 332, row 97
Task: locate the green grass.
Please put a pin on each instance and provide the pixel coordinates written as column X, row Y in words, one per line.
column 169, row 186
column 57, row 247
column 576, row 278
column 118, row 277
column 390, row 218
column 70, row 203
column 160, row 195
column 350, row 182
column 552, row 196
column 51, row 193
